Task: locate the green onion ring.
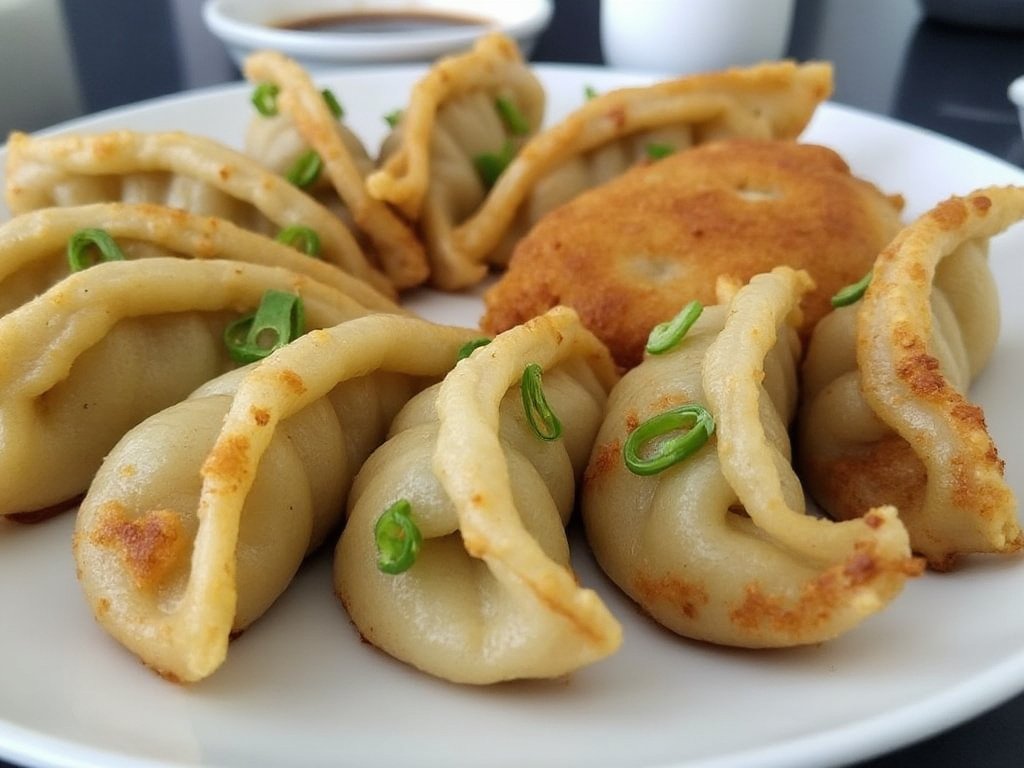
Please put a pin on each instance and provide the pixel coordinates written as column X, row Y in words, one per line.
column 264, row 98
column 589, row 92
column 511, row 116
column 392, row 118
column 306, row 169
column 657, row 151
column 671, row 450
column 80, row 244
column 852, row 293
column 307, row 239
column 279, row 316
column 491, row 165
column 470, row 347
column 542, row 419
column 333, row 104
column 397, row 537
column 665, row 336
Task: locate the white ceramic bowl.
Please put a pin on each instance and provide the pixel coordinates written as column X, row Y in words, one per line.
column 248, row 25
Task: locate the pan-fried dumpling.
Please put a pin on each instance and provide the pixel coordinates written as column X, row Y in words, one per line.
column 454, row 558
column 110, row 345
column 886, row 417
column 465, row 119
column 613, row 132
column 201, row 515
column 34, row 247
column 304, row 122
column 692, row 507
column 180, row 170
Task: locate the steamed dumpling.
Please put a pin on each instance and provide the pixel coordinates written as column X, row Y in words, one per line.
column 886, row 417
column 488, row 595
column 201, row 515
column 106, row 347
column 183, row 171
column 305, row 123
column 716, row 543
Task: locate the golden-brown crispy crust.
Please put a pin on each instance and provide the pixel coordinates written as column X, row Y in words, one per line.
column 631, row 253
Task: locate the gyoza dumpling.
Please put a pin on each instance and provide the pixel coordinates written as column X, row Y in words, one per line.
column 454, row 558
column 466, row 118
column 106, row 347
column 603, row 138
column 34, row 247
column 183, row 171
column 886, row 418
column 300, row 120
column 201, row 515
column 692, row 507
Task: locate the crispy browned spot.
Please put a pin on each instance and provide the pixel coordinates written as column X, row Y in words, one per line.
column 229, row 458
column 605, row 458
column 150, row 545
column 261, row 416
column 981, row 203
column 687, row 597
column 293, row 381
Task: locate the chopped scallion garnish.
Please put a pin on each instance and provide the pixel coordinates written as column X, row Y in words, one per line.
column 333, row 104
column 470, row 347
column 278, row 320
column 491, row 165
column 510, row 115
column 87, row 241
column 657, row 151
column 851, row 293
column 543, row 421
column 695, row 419
column 589, row 92
column 667, row 335
column 303, row 238
column 397, row 537
column 264, row 98
column 392, row 118
column 306, row 169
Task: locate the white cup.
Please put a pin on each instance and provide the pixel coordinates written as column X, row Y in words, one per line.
column 684, row 36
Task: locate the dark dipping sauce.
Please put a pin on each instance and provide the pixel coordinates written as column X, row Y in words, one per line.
column 382, row 22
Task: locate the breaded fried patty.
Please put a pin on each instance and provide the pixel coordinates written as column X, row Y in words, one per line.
column 629, row 254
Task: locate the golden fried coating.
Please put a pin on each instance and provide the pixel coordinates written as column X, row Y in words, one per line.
column 629, row 254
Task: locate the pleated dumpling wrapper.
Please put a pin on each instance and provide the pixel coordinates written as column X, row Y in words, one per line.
column 455, row 558
column 603, row 138
column 108, row 346
column 466, row 118
column 296, row 123
column 181, row 170
column 886, row 417
column 39, row 248
column 201, row 515
column 709, row 533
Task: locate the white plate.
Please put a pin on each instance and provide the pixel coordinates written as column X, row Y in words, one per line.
column 300, row 688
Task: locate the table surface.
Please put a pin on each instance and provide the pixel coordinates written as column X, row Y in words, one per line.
column 890, row 56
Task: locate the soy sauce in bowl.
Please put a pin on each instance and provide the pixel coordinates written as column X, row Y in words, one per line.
column 383, row 22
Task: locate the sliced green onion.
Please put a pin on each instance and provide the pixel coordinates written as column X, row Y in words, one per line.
column 589, row 92
column 470, row 347
column 398, row 539
column 696, row 419
column 542, row 419
column 490, row 165
column 332, row 103
column 657, row 151
column 851, row 293
column 85, row 241
column 264, row 98
column 306, row 169
column 665, row 336
column 510, row 115
column 303, row 238
column 392, row 118
column 278, row 320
